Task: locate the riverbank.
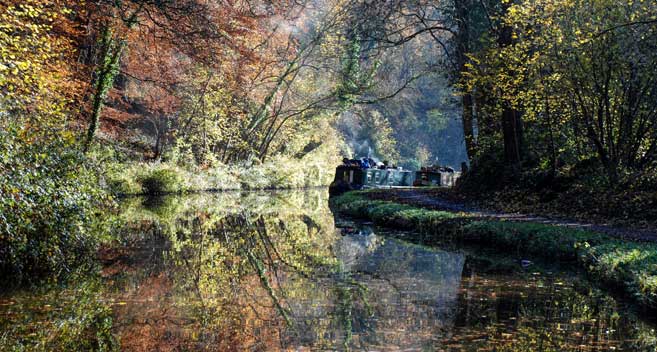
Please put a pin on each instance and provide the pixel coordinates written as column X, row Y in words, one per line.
column 625, row 265
column 581, row 193
column 450, row 200
column 160, row 178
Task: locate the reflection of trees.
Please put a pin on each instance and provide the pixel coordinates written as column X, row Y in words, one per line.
column 262, row 274
column 233, row 269
column 269, row 279
column 544, row 313
column 269, row 272
column 412, row 289
column 71, row 318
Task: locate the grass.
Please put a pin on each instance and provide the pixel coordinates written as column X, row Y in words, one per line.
column 629, row 266
column 165, row 178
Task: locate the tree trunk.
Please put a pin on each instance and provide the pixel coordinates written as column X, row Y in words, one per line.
column 512, row 131
column 511, row 117
column 111, row 57
column 462, row 8
column 468, row 126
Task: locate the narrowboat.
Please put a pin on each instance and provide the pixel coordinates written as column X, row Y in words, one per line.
column 357, row 174
column 443, row 176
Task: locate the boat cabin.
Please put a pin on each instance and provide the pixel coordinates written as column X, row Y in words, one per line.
column 361, row 174
column 353, row 177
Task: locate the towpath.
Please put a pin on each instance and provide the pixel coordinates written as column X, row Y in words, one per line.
column 432, row 201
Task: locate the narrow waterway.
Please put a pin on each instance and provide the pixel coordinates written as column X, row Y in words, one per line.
column 278, row 271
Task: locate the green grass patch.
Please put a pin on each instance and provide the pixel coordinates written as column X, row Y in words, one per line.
column 167, row 177
column 629, row 266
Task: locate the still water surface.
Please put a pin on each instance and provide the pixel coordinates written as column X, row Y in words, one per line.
column 279, row 271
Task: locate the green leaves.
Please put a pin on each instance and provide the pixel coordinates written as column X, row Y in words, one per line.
column 582, row 72
column 355, row 79
column 48, row 198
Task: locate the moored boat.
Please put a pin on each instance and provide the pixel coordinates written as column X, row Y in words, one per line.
column 357, row 174
column 364, row 173
column 443, row 176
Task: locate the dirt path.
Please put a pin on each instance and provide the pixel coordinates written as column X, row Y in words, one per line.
column 421, row 199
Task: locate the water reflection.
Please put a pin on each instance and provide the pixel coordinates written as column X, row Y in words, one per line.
column 272, row 271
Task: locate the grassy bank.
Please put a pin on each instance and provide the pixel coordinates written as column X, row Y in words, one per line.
column 629, row 266
column 167, row 177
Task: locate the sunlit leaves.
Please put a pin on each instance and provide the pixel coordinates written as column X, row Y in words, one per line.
column 578, row 65
column 31, row 66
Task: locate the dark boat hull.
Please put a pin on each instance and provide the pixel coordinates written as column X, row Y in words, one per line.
column 351, row 177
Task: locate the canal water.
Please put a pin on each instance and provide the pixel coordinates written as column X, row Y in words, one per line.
column 279, row 271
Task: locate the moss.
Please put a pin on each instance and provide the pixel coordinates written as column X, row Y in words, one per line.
column 629, row 266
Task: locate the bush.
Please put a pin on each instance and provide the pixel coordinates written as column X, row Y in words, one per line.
column 49, row 198
column 486, row 173
column 161, row 181
column 122, row 185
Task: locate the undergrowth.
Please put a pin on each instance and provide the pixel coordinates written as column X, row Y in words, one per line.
column 580, row 191
column 167, row 177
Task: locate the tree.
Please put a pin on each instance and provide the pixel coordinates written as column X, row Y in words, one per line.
column 48, row 192
column 189, row 32
column 596, row 76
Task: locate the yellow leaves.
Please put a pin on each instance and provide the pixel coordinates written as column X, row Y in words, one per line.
column 30, row 56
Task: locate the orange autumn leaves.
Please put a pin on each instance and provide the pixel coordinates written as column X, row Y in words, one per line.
column 50, row 51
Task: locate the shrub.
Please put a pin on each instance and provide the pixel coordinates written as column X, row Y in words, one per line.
column 160, row 181
column 49, row 198
column 122, row 185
